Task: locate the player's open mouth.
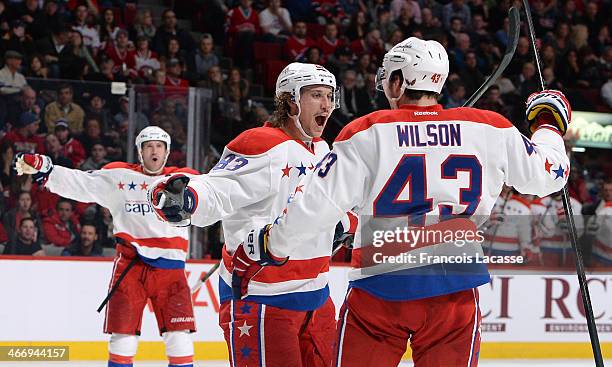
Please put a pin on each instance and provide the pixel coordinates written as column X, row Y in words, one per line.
column 155, row 159
column 320, row 120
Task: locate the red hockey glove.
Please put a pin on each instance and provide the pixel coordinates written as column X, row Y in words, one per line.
column 173, row 200
column 37, row 165
column 249, row 258
column 548, row 107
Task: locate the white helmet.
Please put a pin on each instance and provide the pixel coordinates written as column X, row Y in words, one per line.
column 152, row 133
column 424, row 66
column 297, row 75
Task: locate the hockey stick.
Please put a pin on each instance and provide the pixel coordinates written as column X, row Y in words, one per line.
column 116, row 285
column 513, row 37
column 205, row 277
column 571, row 226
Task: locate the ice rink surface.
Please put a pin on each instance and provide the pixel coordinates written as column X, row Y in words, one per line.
column 484, row 363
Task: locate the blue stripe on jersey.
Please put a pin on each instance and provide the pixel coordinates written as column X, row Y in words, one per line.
column 115, row 364
column 181, row 365
column 602, row 259
column 424, row 282
column 162, row 263
column 297, row 301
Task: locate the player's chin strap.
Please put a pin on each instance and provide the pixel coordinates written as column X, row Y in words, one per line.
column 393, row 101
column 296, row 121
column 153, row 173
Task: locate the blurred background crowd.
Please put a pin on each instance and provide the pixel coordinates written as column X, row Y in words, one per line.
column 58, row 57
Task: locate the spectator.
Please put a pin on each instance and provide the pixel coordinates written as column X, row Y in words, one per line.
column 174, row 71
column 456, row 95
column 405, row 21
column 56, row 152
column 18, row 40
column 140, row 118
column 97, row 158
column 488, row 55
column 384, row 23
column 561, row 41
column 492, row 101
column 37, row 67
column 48, row 19
column 104, row 221
column 459, row 52
column 77, row 55
column 169, row 29
column 275, row 20
column 479, row 28
column 53, row 47
column 354, row 100
column 569, row 70
column 471, row 76
column 550, row 79
column 396, row 37
column 173, row 51
column 27, row 12
column 143, row 27
column 527, row 82
column 145, row 59
column 97, row 109
column 372, row 44
column 243, row 27
column 11, row 80
column 108, row 27
column 26, row 242
column 26, row 103
column 456, row 8
column 203, row 59
column 123, row 55
column 430, row 25
column 86, row 244
column 412, row 7
column 329, row 41
column 341, row 60
column 7, row 153
column 62, row 228
column 298, row 43
column 71, row 148
column 92, row 133
column 521, row 56
column 64, row 108
column 23, row 137
column 358, row 27
column 592, row 19
column 85, row 26
column 13, row 217
column 543, row 16
column 214, row 82
column 236, row 84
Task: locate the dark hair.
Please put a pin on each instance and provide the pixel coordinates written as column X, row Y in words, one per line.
column 64, row 200
column 24, row 192
column 412, row 94
column 26, row 218
column 65, row 86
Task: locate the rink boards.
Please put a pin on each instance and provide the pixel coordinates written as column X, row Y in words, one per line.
column 53, row 302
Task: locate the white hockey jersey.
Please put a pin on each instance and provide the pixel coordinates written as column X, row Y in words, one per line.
column 258, row 174
column 602, row 246
column 552, row 236
column 415, row 162
column 122, row 189
column 514, row 234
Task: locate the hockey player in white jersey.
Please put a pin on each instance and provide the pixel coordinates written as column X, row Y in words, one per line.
column 151, row 256
column 421, row 164
column 288, row 319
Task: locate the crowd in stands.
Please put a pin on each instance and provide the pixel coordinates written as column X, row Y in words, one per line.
column 57, row 55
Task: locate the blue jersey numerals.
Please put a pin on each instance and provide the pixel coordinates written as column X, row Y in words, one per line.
column 411, row 171
column 326, row 163
column 231, row 162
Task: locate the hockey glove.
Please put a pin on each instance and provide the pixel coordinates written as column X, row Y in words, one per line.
column 249, row 258
column 172, row 200
column 37, row 165
column 548, row 107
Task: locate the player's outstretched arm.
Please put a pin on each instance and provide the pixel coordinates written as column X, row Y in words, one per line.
column 87, row 187
column 539, row 165
column 234, row 183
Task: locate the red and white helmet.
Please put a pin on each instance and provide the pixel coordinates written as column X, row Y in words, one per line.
column 152, row 133
column 424, row 66
column 297, row 75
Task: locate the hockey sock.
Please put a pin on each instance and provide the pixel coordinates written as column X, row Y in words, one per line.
column 186, row 361
column 115, row 360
